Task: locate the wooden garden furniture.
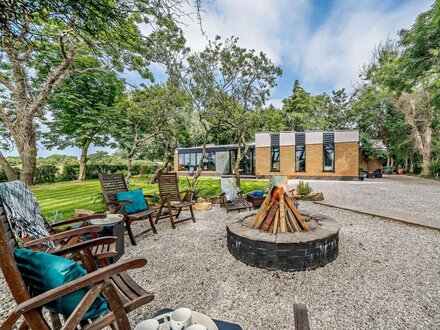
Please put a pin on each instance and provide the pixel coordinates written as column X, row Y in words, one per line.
column 232, row 196
column 122, row 293
column 170, row 198
column 113, row 183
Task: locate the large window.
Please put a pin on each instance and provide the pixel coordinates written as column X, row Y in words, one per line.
column 329, row 157
column 209, row 161
column 275, row 159
column 300, row 158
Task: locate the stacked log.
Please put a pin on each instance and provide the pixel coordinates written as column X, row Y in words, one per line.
column 278, row 213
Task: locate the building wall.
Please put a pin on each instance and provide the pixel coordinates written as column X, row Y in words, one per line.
column 346, row 155
column 370, row 165
column 176, row 161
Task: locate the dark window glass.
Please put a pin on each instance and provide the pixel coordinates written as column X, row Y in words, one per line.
column 186, row 162
column 329, row 157
column 192, row 160
column 275, row 159
column 246, row 163
column 198, row 155
column 209, row 161
column 300, row 158
column 181, row 162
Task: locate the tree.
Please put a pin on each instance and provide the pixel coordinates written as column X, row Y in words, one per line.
column 228, row 83
column 83, row 113
column 150, row 114
column 302, row 110
column 42, row 43
column 334, row 110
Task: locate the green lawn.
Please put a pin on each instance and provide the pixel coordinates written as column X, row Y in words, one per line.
column 59, row 200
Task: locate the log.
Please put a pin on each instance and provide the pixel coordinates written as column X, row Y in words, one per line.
column 276, row 222
column 295, row 211
column 282, row 209
column 259, row 218
column 270, row 216
column 292, row 220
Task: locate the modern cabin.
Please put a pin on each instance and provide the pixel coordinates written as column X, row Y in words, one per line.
column 311, row 154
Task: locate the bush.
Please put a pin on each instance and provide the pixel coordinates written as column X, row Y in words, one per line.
column 45, row 173
column 70, row 172
column 304, row 188
column 434, row 170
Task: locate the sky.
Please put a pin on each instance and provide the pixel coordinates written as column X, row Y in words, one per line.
column 322, row 43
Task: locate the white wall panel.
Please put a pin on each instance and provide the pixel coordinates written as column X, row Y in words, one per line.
column 347, row 136
column 287, row 138
column 262, row 140
column 314, row 138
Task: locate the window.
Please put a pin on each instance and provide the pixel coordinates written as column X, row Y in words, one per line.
column 329, row 157
column 275, row 159
column 181, row 161
column 209, row 161
column 300, row 158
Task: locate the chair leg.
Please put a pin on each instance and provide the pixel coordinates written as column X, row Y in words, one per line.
column 170, row 212
column 159, row 213
column 192, row 213
column 130, row 232
column 153, row 227
column 178, row 213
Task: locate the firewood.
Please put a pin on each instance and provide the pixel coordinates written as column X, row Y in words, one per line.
column 270, row 216
column 276, row 221
column 259, row 218
column 282, row 209
column 292, row 220
column 295, row 211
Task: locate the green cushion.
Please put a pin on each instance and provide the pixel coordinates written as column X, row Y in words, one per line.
column 43, row 271
column 138, row 201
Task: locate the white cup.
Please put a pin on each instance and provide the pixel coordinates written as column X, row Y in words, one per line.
column 148, row 325
column 197, row 327
column 179, row 319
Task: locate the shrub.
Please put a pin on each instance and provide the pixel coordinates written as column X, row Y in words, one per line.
column 304, row 188
column 434, row 169
column 45, row 173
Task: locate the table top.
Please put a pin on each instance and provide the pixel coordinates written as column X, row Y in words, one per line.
column 221, row 325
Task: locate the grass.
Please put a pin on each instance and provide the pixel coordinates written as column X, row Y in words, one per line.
column 58, row 201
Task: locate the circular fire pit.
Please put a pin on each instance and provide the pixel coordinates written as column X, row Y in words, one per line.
column 298, row 251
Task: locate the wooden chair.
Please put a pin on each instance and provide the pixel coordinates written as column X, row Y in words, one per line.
column 110, row 185
column 123, row 295
column 232, row 198
column 70, row 237
column 170, row 197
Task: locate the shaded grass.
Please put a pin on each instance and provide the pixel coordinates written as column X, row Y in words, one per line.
column 58, row 201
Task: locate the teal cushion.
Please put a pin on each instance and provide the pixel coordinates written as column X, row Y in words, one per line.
column 43, row 271
column 138, row 201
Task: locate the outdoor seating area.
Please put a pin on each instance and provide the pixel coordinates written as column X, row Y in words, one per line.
column 204, row 277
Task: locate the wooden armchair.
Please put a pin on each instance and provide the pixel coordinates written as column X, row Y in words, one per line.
column 123, row 295
column 113, row 183
column 232, row 198
column 170, row 197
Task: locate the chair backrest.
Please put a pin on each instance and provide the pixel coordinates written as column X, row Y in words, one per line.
column 110, row 185
column 11, row 273
column 228, row 185
column 168, row 184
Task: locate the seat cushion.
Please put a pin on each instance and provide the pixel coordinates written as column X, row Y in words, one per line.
column 138, row 200
column 43, row 271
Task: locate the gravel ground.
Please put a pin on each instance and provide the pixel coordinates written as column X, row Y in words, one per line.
column 387, row 274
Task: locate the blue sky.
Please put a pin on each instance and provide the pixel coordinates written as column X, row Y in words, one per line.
column 322, row 43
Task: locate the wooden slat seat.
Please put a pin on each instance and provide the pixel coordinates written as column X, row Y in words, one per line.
column 236, row 202
column 104, row 251
column 171, row 198
column 110, row 185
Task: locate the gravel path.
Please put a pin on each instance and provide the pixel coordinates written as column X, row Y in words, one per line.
column 387, row 274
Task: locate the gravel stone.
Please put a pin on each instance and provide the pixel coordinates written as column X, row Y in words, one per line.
column 387, row 274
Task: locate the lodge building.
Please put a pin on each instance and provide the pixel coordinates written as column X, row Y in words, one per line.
column 311, row 154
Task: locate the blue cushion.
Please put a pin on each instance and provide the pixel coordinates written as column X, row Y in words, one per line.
column 138, row 201
column 43, row 271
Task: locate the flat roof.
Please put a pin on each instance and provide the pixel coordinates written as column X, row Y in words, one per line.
column 213, row 147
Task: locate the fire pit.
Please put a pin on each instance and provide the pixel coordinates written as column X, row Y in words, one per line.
column 279, row 237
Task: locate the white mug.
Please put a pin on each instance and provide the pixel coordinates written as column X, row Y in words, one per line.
column 179, row 319
column 150, row 324
column 197, row 327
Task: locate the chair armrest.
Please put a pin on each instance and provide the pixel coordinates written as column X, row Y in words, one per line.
column 65, row 234
column 85, row 245
column 149, row 195
column 82, row 282
column 80, row 219
column 121, row 202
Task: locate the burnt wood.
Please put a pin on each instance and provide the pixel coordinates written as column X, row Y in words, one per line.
column 170, row 198
column 110, row 185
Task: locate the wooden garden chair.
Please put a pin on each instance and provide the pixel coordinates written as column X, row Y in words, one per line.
column 123, row 295
column 113, row 183
column 170, row 197
column 69, row 237
column 232, row 198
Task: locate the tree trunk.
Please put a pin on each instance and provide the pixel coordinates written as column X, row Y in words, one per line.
column 83, row 160
column 7, row 168
column 426, row 158
column 129, row 166
column 199, row 164
column 27, row 149
column 158, row 170
column 239, row 157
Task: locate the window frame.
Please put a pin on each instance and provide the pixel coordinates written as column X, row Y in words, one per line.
column 296, row 158
column 272, row 169
column 323, row 157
